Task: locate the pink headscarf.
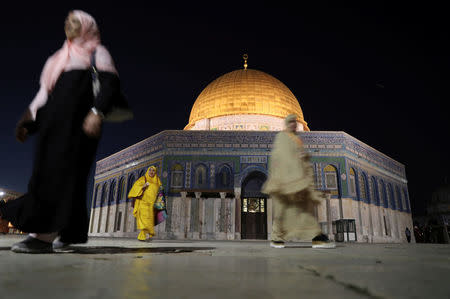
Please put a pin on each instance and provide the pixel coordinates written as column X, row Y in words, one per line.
column 76, row 54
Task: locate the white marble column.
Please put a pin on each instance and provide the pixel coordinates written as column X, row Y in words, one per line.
column 201, row 216
column 237, row 221
column 187, row 213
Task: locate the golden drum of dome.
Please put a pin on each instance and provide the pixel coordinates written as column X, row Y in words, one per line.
column 245, row 92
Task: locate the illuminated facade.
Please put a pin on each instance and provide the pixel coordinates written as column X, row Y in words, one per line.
column 213, row 170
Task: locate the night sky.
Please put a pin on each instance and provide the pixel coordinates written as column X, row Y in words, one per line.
column 378, row 72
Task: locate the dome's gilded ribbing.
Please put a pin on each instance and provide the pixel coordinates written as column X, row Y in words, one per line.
column 245, row 91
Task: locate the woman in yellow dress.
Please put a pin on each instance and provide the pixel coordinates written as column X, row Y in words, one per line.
column 145, row 191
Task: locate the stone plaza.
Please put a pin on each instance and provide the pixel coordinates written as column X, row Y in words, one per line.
column 126, row 268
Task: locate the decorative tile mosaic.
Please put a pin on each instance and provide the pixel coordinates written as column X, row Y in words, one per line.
column 250, row 151
column 188, row 175
column 212, row 175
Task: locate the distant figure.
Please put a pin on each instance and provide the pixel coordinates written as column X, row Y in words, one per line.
column 418, row 234
column 67, row 117
column 144, row 193
column 4, row 229
column 433, row 231
column 429, row 233
column 408, row 235
column 290, row 184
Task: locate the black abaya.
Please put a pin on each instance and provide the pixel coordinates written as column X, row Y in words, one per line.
column 56, row 197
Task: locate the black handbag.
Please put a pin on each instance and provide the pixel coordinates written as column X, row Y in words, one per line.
column 120, row 110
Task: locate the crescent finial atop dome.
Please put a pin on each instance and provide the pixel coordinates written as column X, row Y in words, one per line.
column 245, row 56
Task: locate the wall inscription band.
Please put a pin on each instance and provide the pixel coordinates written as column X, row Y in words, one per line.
column 254, row 159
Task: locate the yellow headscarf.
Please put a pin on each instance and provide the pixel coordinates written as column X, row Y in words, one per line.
column 137, row 189
column 155, row 179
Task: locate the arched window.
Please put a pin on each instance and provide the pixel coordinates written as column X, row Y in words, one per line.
column 374, row 192
column 224, row 177
column 331, row 182
column 251, row 185
column 362, row 187
column 120, row 193
column 317, row 177
column 200, row 176
column 112, row 188
column 94, row 205
column 407, row 203
column 131, row 181
column 384, row 194
column 351, row 182
column 392, row 203
column 399, row 198
column 103, row 198
column 142, row 172
column 177, row 176
column 94, row 200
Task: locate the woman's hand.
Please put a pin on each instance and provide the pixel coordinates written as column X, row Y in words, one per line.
column 21, row 134
column 21, row 130
column 92, row 125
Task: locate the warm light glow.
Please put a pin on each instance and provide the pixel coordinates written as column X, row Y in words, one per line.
column 245, row 92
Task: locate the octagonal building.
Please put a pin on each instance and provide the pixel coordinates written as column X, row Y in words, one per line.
column 213, row 170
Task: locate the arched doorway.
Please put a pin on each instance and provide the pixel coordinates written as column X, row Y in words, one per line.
column 253, row 207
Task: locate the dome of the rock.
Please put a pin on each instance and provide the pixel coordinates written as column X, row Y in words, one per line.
column 245, row 99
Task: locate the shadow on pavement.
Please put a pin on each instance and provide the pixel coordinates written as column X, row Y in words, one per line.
column 118, row 250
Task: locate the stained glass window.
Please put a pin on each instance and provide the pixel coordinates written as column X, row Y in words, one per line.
column 177, row 176
column 224, row 177
column 200, row 176
column 362, row 186
column 351, row 182
column 330, row 177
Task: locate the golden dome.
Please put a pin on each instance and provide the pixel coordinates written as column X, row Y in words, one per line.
column 245, row 91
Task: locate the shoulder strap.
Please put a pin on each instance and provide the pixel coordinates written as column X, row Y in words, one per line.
column 93, row 62
column 94, row 74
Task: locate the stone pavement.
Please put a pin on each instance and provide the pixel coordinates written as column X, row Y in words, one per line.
column 126, row 268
